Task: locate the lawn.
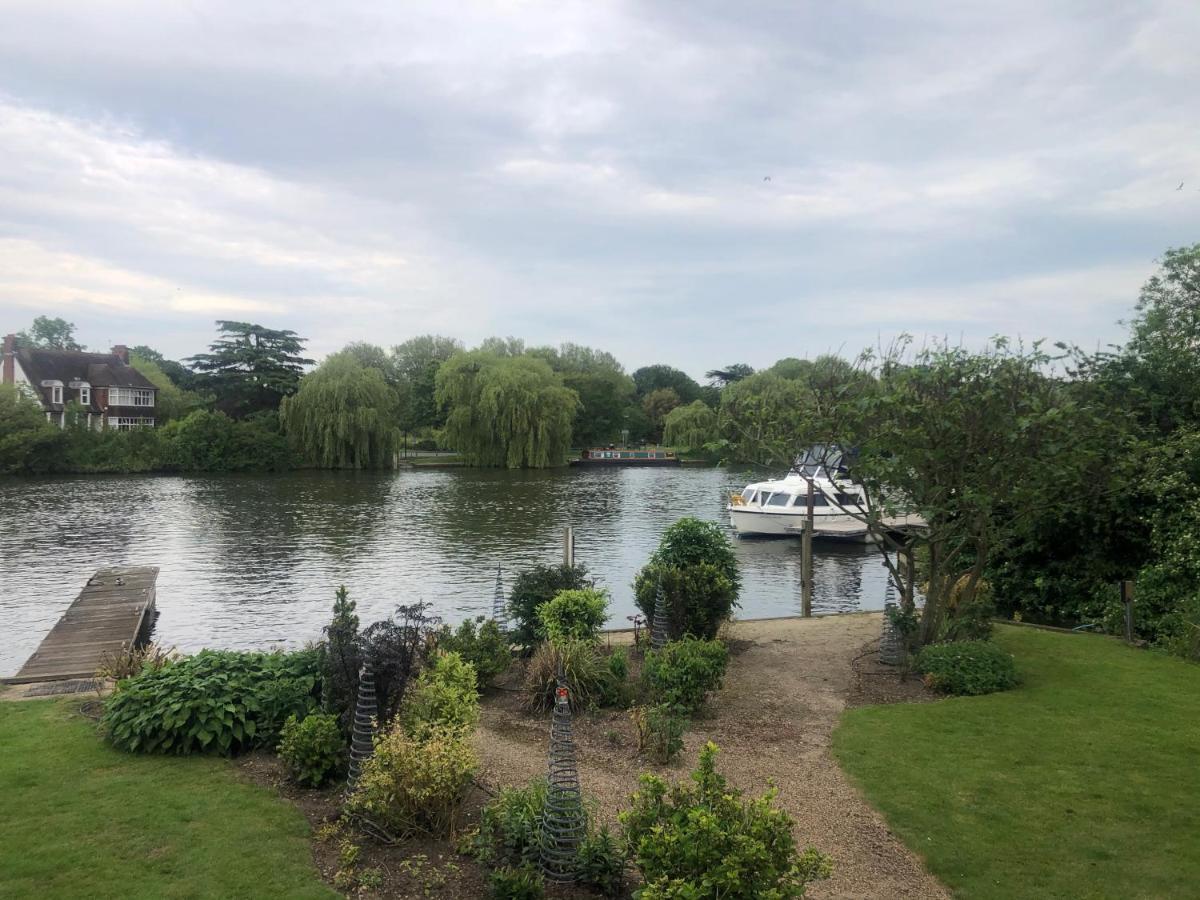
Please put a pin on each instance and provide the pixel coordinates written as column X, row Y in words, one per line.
column 1083, row 782
column 80, row 819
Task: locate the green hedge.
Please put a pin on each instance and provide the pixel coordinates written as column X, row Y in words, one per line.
column 967, row 667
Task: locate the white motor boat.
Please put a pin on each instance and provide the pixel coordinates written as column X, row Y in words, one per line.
column 779, row 508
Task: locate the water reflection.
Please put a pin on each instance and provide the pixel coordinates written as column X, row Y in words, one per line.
column 253, row 561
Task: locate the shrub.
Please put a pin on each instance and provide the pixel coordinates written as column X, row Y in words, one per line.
column 583, row 670
column 481, row 643
column 699, row 598
column 967, row 667
column 444, row 697
column 615, row 690
column 510, row 826
column 517, row 883
column 660, row 731
column 704, row 840
column 969, row 621
column 312, row 748
column 216, row 701
column 682, row 673
column 534, row 587
column 415, row 787
column 341, row 660
column 602, row 863
column 132, row 660
column 575, row 615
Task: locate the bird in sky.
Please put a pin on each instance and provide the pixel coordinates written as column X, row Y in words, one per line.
column 766, row 178
column 1180, row 188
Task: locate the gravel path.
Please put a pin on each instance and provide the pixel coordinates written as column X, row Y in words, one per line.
column 788, row 683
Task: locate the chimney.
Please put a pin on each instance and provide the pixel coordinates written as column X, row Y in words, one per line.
column 121, row 352
column 10, row 348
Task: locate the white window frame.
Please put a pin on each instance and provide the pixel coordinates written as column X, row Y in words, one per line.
column 130, row 397
column 85, row 396
column 56, row 393
column 129, row 423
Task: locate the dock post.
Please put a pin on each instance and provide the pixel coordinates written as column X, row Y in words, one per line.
column 569, row 547
column 806, row 560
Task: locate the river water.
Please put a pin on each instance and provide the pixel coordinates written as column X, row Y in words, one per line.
column 253, row 561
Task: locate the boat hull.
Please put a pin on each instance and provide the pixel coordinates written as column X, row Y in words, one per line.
column 622, row 463
column 753, row 522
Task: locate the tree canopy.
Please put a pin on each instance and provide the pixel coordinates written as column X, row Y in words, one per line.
column 251, row 368
column 50, row 334
column 417, row 361
column 604, row 390
column 657, row 377
column 691, row 427
column 506, row 411
column 730, row 374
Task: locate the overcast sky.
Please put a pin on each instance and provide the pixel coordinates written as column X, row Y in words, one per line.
column 595, row 171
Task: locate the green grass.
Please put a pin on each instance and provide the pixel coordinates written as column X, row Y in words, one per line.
column 79, row 819
column 1083, row 782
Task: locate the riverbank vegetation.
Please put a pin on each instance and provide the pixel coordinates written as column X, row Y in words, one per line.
column 1071, row 785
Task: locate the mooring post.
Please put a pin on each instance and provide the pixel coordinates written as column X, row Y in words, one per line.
column 569, row 547
column 1127, row 601
column 806, row 560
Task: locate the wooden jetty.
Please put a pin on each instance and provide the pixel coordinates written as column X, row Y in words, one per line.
column 107, row 616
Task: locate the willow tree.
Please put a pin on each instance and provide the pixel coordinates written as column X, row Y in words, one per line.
column 506, row 411
column 690, row 427
column 344, row 415
column 760, row 416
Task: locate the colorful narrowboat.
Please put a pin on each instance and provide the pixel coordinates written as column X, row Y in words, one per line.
column 614, row 456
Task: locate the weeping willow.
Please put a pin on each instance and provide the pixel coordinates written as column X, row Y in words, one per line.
column 344, row 415
column 690, row 427
column 508, row 411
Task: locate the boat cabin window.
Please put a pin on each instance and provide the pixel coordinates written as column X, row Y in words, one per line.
column 748, row 495
column 848, row 499
column 818, row 500
column 779, row 499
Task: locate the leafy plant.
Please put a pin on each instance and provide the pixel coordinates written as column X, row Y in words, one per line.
column 480, row 642
column 132, row 660
column 660, row 731
column 573, row 615
column 697, row 569
column 312, row 748
column 414, row 786
column 341, row 660
column 704, row 840
column 510, row 826
column 397, row 649
column 444, row 697
column 682, row 673
column 582, row 668
column 967, row 667
column 218, row 701
column 616, row 690
column 532, row 588
column 601, row 863
column 517, row 883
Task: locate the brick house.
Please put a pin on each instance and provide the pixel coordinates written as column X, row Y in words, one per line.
column 112, row 393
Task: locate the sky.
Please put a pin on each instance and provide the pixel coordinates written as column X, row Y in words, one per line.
column 695, row 183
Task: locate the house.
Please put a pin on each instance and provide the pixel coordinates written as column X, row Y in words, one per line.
column 111, row 392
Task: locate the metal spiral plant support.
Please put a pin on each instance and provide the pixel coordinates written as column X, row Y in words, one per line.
column 362, row 743
column 659, row 629
column 564, row 823
column 891, row 645
column 499, row 607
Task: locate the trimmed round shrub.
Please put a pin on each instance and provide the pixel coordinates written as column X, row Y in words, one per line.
column 480, row 642
column 967, row 667
column 312, row 748
column 218, row 701
column 416, row 786
column 683, row 673
column 443, row 697
column 575, row 615
column 697, row 568
column 532, row 588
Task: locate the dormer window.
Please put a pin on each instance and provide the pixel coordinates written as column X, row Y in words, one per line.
column 85, row 396
column 56, row 390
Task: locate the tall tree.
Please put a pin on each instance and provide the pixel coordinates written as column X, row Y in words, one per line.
column 417, row 361
column 728, row 375
column 510, row 411
column 603, row 387
column 657, row 405
column 27, row 441
column 171, row 402
column 760, row 417
column 251, row 368
column 50, row 334
column 179, row 374
column 652, row 378
column 691, row 427
column 344, row 414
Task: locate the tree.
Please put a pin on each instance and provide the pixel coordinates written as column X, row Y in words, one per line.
column 503, row 346
column 417, row 361
column 690, row 427
column 179, row 374
column 251, row 368
column 730, row 374
column 603, row 387
column 27, row 440
column 657, row 404
column 652, row 378
column 761, row 415
column 511, row 411
column 170, row 402
column 50, row 334
column 344, row 415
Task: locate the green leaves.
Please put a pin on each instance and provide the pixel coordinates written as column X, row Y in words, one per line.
column 312, row 748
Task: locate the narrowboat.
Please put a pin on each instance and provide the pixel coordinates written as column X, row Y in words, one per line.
column 614, row 456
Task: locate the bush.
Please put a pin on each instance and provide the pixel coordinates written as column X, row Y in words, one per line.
column 967, row 667
column 510, row 827
column 481, row 643
column 575, row 615
column 602, row 863
column 444, row 697
column 969, row 621
column 534, row 587
column 683, row 673
column 660, row 731
column 699, row 598
column 615, row 690
column 312, row 748
column 517, row 883
column 415, row 787
column 217, row 701
column 341, row 660
column 583, row 670
column 703, row 840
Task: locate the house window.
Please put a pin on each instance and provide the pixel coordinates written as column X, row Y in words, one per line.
column 128, row 423
column 56, row 393
column 130, row 397
column 85, row 396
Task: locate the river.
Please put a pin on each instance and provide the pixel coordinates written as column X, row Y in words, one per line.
column 253, row 561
